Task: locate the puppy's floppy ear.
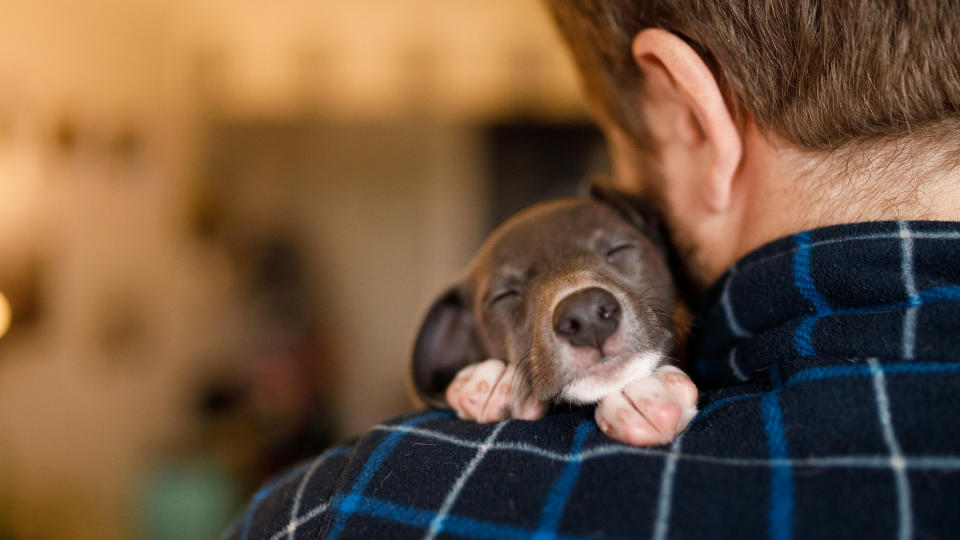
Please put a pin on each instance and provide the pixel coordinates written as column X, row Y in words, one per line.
column 446, row 343
column 630, row 207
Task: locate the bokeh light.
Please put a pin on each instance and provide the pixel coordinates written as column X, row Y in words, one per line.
column 5, row 315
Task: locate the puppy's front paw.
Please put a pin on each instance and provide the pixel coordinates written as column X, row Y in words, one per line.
column 482, row 392
column 648, row 411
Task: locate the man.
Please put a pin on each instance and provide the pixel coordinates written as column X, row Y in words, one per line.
column 806, row 156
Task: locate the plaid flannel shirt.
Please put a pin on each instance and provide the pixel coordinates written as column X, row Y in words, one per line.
column 830, row 398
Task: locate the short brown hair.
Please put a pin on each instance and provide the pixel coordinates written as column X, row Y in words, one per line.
column 820, row 74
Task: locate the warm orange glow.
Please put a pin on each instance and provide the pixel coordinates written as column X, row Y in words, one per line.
column 5, row 315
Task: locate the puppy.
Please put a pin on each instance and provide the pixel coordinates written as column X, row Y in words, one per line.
column 569, row 301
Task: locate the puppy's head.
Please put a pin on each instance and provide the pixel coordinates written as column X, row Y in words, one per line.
column 576, row 293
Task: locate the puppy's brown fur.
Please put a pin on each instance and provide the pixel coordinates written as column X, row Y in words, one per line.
column 505, row 306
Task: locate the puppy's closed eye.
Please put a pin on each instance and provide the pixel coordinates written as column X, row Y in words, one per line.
column 622, row 253
column 621, row 249
column 502, row 296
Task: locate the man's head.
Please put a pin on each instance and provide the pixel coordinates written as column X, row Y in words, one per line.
column 747, row 120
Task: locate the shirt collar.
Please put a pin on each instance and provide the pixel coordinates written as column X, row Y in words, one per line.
column 843, row 291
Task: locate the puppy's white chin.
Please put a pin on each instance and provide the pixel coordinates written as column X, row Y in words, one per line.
column 602, row 379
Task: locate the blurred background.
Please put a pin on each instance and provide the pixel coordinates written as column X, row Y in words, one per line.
column 220, row 223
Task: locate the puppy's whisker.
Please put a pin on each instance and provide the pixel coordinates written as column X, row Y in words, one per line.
column 521, row 386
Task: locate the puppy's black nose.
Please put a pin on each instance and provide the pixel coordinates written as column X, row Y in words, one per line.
column 587, row 318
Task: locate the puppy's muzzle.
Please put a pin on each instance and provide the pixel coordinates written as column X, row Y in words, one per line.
column 586, row 318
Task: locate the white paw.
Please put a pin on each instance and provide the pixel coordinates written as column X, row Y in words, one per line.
column 482, row 392
column 651, row 410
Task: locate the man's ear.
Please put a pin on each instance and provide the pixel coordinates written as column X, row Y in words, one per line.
column 687, row 115
column 446, row 343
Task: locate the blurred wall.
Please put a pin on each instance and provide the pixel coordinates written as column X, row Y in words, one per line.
column 120, row 119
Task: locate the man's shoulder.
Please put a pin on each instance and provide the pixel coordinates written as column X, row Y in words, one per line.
column 407, row 472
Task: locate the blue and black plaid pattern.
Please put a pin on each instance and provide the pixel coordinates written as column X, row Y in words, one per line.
column 828, row 363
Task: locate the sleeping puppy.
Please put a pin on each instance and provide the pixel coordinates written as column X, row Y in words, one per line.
column 569, row 301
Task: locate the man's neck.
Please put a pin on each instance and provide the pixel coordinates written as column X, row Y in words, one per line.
column 788, row 191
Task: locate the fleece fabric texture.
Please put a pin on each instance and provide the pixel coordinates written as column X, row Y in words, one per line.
column 830, row 399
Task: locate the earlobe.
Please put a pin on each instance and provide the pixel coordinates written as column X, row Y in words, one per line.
column 701, row 112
